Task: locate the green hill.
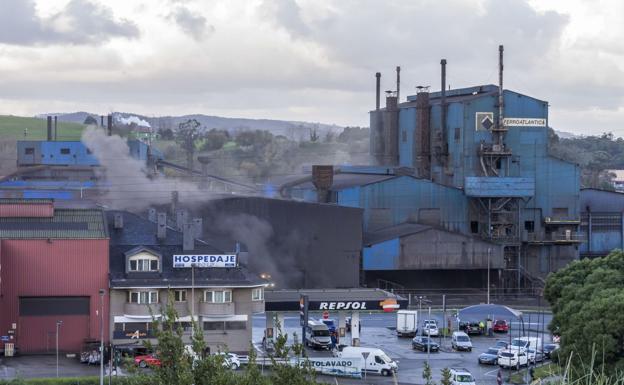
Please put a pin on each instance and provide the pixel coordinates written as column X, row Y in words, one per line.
column 13, row 127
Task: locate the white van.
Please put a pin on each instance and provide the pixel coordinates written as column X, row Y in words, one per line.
column 513, row 358
column 375, row 360
column 461, row 341
column 407, row 323
column 533, row 343
column 461, row 376
column 317, row 335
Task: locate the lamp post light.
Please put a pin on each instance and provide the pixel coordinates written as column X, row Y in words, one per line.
column 102, row 292
column 193, row 300
column 58, row 326
column 489, row 253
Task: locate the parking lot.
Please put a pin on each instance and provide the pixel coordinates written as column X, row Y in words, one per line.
column 377, row 331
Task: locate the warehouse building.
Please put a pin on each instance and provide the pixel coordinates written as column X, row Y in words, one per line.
column 53, row 264
column 471, row 163
column 151, row 261
column 602, row 222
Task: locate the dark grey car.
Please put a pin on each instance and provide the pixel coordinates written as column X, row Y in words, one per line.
column 489, row 357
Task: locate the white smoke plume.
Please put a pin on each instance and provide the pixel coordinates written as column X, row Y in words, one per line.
column 133, row 119
column 127, row 183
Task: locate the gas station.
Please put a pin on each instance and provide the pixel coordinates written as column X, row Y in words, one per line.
column 344, row 302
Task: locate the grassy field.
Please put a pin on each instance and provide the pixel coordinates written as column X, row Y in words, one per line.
column 12, row 128
column 542, row 371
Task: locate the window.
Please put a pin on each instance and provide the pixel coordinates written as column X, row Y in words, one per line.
column 214, row 325
column 474, row 227
column 257, row 294
column 65, row 151
column 143, row 297
column 180, row 296
column 186, row 326
column 529, row 226
column 235, row 325
column 143, row 262
column 379, row 360
column 29, row 150
column 218, row 296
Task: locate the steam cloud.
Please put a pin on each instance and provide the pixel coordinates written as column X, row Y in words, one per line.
column 128, row 186
column 133, row 119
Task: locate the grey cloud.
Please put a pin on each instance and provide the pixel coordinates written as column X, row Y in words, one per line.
column 80, row 22
column 194, row 24
column 286, row 14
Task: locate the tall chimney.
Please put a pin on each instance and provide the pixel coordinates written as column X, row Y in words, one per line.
column 181, row 218
column 500, row 90
column 378, row 90
column 151, row 215
column 55, row 128
column 174, row 202
column 162, row 226
column 49, row 128
column 322, row 179
column 188, row 240
column 101, row 120
column 198, row 227
column 398, row 71
column 110, row 124
column 444, row 143
column 118, row 221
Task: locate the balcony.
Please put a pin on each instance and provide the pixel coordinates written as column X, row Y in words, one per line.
column 565, row 237
column 211, row 308
column 561, row 221
column 141, row 309
column 182, row 308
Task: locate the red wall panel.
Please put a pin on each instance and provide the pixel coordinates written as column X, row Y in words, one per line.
column 38, row 334
column 53, row 268
column 27, row 210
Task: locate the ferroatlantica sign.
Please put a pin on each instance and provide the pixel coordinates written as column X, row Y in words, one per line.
column 524, row 122
column 334, row 366
column 218, row 260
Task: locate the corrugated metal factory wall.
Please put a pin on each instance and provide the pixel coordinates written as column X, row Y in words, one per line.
column 46, row 268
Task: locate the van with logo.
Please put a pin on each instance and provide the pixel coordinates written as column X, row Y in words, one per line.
column 317, row 335
column 375, row 360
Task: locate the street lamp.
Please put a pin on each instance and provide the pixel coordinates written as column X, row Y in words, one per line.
column 488, row 275
column 58, row 325
column 102, row 292
column 193, row 300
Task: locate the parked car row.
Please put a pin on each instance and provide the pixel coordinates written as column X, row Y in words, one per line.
column 521, row 352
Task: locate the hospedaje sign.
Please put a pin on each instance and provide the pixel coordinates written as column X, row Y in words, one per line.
column 206, row 260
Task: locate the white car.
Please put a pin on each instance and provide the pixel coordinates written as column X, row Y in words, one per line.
column 461, row 376
column 513, row 358
column 230, row 360
column 430, row 330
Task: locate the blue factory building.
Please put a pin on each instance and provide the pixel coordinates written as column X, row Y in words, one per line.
column 602, row 222
column 464, row 181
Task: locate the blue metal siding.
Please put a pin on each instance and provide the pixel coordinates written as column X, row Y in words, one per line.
column 407, row 126
column 482, row 186
column 52, row 154
column 381, row 256
column 60, row 195
column 349, row 197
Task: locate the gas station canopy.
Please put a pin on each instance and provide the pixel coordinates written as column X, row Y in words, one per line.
column 334, row 299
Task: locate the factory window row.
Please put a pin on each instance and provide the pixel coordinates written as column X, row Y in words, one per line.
column 224, row 325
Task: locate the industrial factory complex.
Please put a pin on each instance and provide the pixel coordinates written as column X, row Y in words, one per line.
column 463, row 194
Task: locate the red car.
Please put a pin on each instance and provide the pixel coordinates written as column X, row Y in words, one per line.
column 500, row 325
column 147, row 360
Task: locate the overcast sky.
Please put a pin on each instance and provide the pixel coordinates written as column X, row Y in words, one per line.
column 311, row 60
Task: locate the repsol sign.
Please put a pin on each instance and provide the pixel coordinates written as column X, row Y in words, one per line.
column 342, row 305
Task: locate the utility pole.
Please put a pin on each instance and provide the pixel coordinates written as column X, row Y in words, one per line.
column 192, row 299
column 58, row 325
column 489, row 254
column 428, row 338
column 102, row 291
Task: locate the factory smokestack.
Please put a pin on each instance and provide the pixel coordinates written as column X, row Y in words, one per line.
column 398, row 72
column 378, row 91
column 444, row 143
column 151, row 215
column 500, row 87
column 101, row 120
column 188, row 239
column 161, row 230
column 118, row 221
column 55, row 128
column 110, row 125
column 49, row 128
column 198, row 227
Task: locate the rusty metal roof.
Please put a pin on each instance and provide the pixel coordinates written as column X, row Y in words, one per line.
column 65, row 224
